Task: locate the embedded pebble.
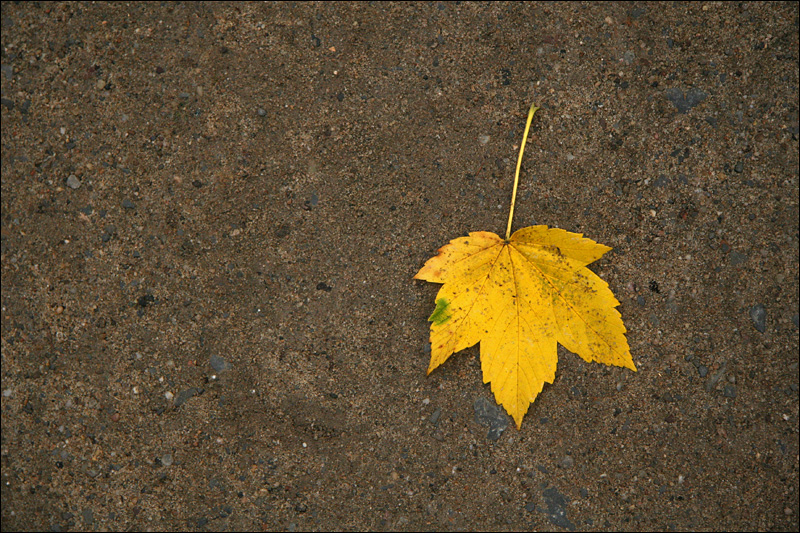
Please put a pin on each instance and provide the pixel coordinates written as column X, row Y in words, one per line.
column 73, row 182
column 758, row 314
column 557, row 506
column 219, row 364
column 186, row 395
column 683, row 102
column 166, row 459
column 489, row 414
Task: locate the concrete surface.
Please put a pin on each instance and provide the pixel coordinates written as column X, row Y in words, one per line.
column 211, row 214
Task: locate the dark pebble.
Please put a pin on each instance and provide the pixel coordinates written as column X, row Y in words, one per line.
column 661, row 182
column 127, row 204
column 729, row 391
column 489, row 414
column 262, row 112
column 702, row 370
column 301, row 508
column 219, row 364
column 197, row 183
column 145, row 300
column 739, row 167
column 736, row 258
column 186, row 395
column 7, row 103
column 758, row 314
column 322, row 286
column 557, row 508
column 640, row 300
column 283, row 231
column 434, row 419
column 684, row 102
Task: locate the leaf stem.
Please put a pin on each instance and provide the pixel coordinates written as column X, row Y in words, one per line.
column 532, row 110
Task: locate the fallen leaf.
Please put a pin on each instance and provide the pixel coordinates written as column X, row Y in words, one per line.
column 519, row 297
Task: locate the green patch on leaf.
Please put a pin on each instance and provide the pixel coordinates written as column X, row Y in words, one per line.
column 441, row 314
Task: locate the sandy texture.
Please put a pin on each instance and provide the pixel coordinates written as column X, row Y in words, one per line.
column 211, row 215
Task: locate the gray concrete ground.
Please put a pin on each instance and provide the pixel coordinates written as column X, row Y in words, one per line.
column 211, row 214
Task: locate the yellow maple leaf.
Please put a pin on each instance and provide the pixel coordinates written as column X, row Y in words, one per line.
column 519, row 297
